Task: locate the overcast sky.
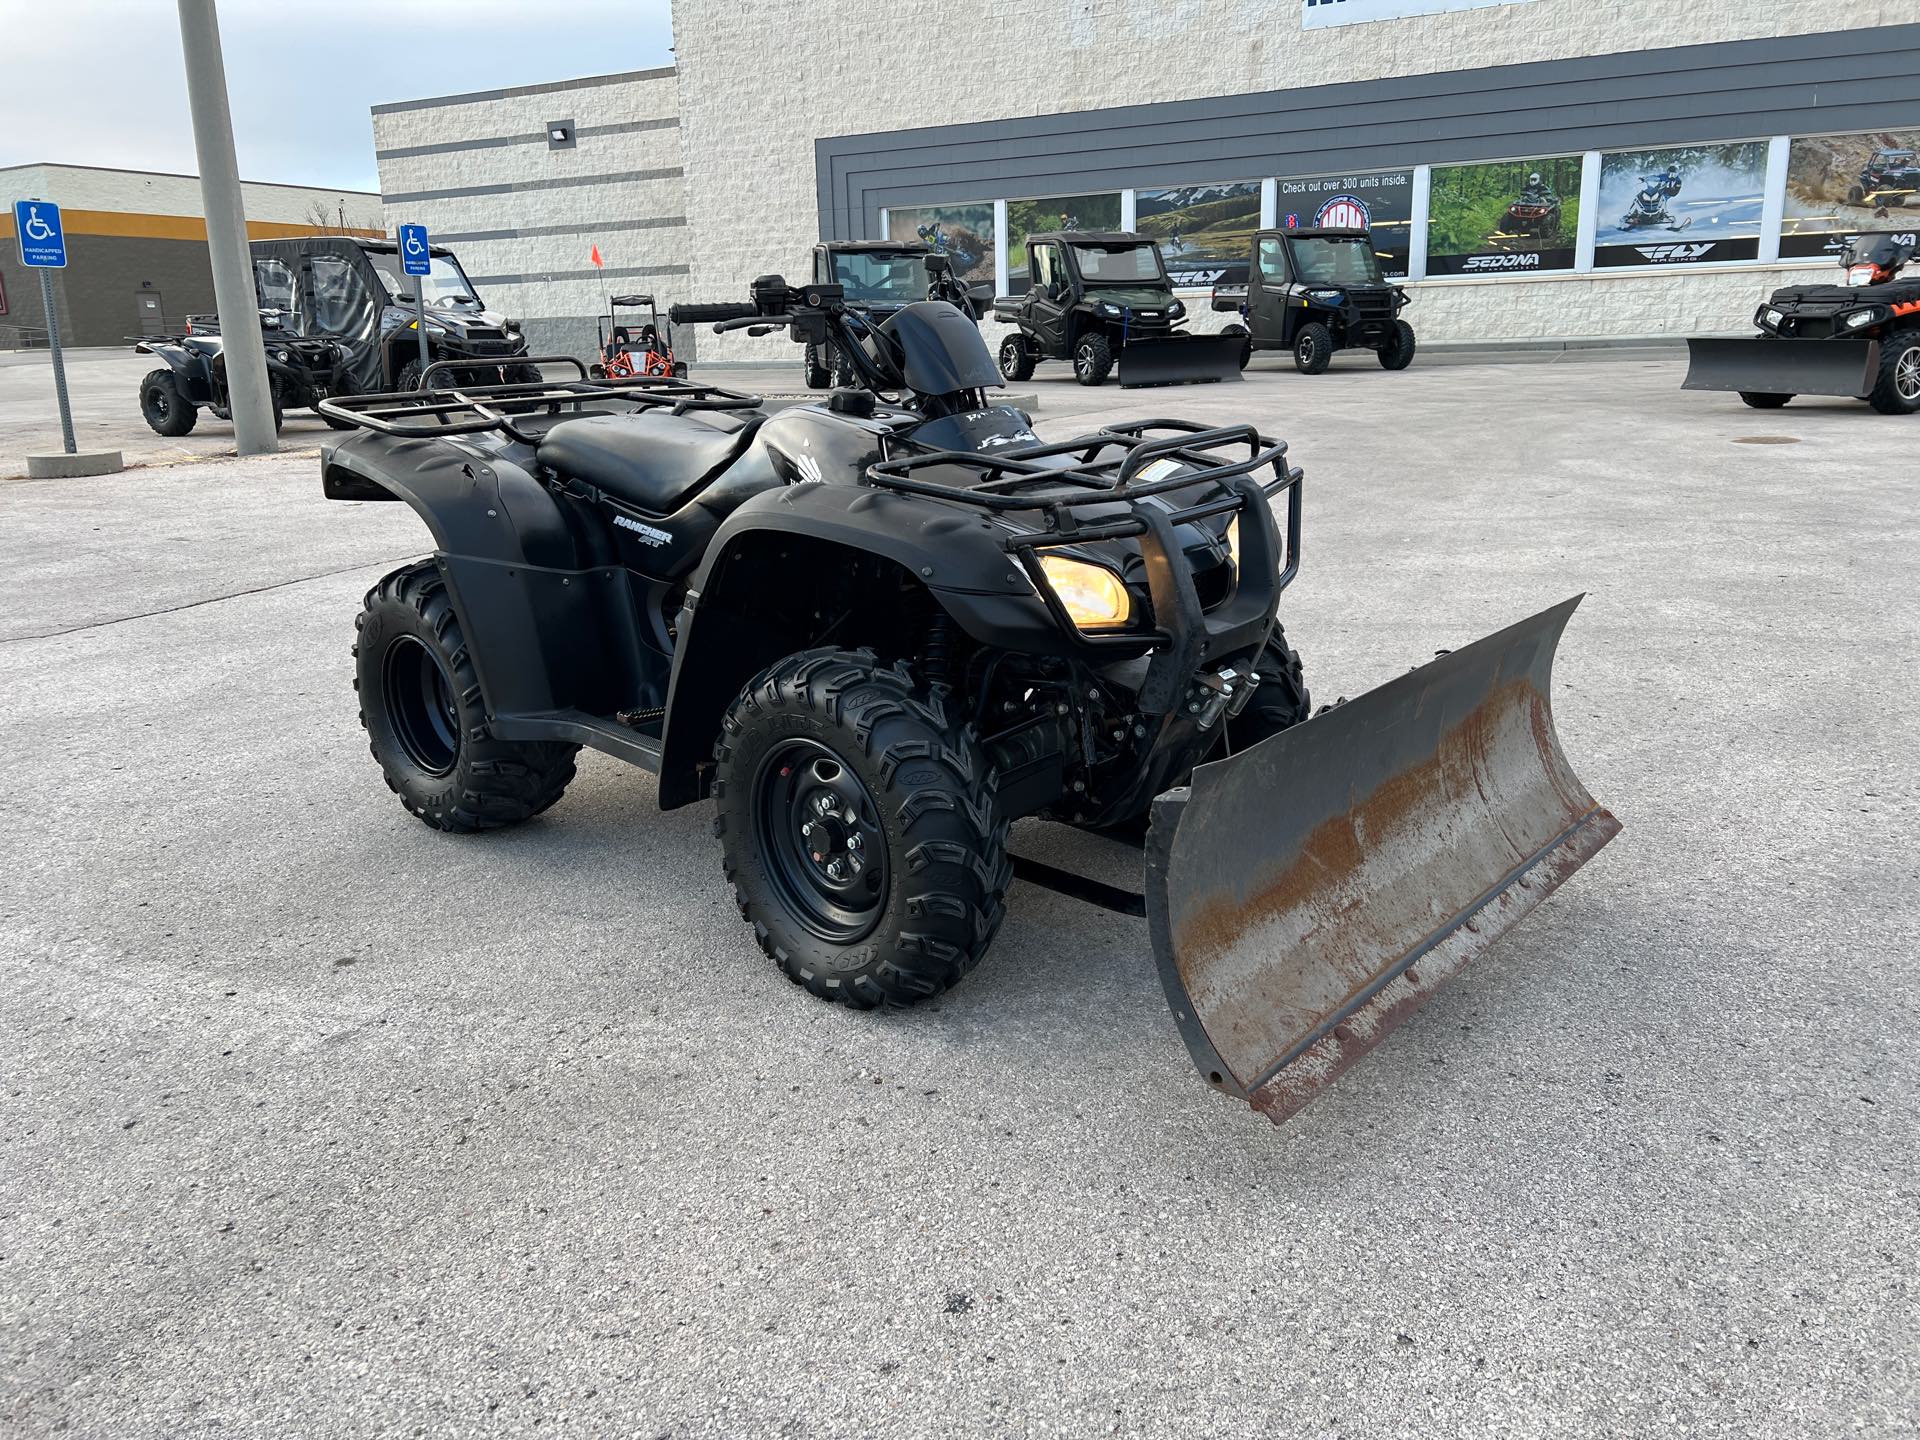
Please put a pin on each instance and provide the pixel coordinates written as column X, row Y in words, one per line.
column 99, row 82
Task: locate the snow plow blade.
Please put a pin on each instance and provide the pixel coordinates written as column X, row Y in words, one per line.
column 1783, row 367
column 1307, row 895
column 1180, row 360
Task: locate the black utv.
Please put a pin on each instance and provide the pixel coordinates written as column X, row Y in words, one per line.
column 1097, row 297
column 879, row 278
column 1860, row 339
column 877, row 629
column 1890, row 177
column 1314, row 291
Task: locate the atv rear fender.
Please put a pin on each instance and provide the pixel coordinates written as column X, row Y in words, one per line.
column 748, row 603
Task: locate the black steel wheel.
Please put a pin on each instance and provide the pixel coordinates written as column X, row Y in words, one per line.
column 1897, row 390
column 1397, row 353
column 1092, row 358
column 164, row 407
column 426, row 722
column 1016, row 359
column 859, row 829
column 1312, row 348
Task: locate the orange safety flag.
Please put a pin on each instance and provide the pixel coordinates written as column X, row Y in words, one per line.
column 594, row 255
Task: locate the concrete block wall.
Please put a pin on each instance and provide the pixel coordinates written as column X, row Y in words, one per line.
column 756, row 99
column 478, row 171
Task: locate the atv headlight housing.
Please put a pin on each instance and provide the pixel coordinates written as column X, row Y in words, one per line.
column 1854, row 319
column 1093, row 596
column 1771, row 317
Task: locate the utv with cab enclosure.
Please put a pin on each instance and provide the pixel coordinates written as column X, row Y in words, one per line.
column 877, row 629
column 1316, row 290
column 1101, row 296
column 878, row 278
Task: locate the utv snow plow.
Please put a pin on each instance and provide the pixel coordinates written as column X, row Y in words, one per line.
column 1180, row 360
column 1420, row 823
column 1769, row 365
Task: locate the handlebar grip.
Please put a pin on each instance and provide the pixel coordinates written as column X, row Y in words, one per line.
column 700, row 314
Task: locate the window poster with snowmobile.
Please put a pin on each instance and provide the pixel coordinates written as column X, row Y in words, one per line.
column 1055, row 212
column 1841, row 185
column 1686, row 205
column 1205, row 232
column 962, row 233
column 1380, row 201
column 1513, row 217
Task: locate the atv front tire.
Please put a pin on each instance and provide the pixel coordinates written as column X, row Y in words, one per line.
column 163, row 407
column 1761, row 400
column 421, row 708
column 1092, row 358
column 409, row 376
column 1312, row 348
column 1397, row 353
column 1897, row 390
column 1246, row 342
column 1281, row 701
column 1016, row 359
column 859, row 829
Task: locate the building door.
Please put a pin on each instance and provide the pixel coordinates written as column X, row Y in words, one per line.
column 152, row 315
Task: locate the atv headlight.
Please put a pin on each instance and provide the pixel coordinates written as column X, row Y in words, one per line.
column 1093, row 596
column 1774, row 317
column 1862, row 317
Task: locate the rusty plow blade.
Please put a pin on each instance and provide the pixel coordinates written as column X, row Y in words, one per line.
column 1307, row 895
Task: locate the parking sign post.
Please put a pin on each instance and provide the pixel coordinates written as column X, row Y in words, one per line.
column 43, row 247
column 416, row 258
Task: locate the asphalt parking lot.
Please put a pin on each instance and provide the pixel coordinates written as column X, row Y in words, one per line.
column 320, row 1123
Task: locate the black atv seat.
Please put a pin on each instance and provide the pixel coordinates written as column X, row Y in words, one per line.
column 652, row 460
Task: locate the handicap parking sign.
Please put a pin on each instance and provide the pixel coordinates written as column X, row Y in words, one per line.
column 415, row 257
column 43, row 244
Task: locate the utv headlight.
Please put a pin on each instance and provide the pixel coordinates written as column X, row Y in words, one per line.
column 1093, row 596
column 1862, row 317
column 1107, row 308
column 1176, row 310
column 1332, row 297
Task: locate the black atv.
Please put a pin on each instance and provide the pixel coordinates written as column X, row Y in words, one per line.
column 299, row 372
column 1101, row 296
column 1860, row 339
column 878, row 628
column 877, row 279
column 1316, row 290
column 1890, row 177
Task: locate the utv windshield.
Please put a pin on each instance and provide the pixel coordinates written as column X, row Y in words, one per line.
column 446, row 285
column 1330, row 260
column 1120, row 264
column 870, row 276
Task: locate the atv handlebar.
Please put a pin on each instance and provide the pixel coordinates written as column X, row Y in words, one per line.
column 700, row 314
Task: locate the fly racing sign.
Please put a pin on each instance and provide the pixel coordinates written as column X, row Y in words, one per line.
column 1323, row 14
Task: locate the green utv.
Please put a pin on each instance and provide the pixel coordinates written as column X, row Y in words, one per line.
column 875, row 630
column 1100, row 297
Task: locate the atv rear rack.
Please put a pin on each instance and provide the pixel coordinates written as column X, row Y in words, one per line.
column 434, row 413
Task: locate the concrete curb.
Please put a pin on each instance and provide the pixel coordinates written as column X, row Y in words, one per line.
column 60, row 466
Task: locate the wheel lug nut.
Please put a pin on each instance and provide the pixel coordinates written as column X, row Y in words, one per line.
column 853, row 842
column 836, row 870
column 807, row 829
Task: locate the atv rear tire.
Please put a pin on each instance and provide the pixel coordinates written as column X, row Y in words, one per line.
column 1397, row 354
column 1246, row 342
column 1312, row 348
column 897, row 884
column 1092, row 358
column 522, row 375
column 1281, row 701
column 1761, row 400
column 166, row 411
column 819, row 373
column 1016, row 359
column 1897, row 390
column 421, row 708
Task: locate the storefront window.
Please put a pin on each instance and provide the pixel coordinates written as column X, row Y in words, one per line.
column 1058, row 212
column 1204, row 231
column 1841, row 185
column 1687, row 205
column 1506, row 218
column 1379, row 201
column 962, row 233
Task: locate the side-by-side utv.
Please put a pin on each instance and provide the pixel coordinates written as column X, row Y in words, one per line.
column 1860, row 339
column 1097, row 298
column 875, row 630
column 879, row 278
column 1314, row 291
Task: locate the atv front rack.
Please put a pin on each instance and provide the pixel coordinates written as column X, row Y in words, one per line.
column 433, row 413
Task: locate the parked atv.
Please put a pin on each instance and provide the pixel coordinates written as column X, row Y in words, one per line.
column 1316, row 290
column 1860, row 339
column 623, row 353
column 877, row 629
column 356, row 293
column 878, row 279
column 194, row 377
column 1890, row 177
column 1100, row 296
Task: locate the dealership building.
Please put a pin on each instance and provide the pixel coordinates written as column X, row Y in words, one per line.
column 137, row 261
column 1675, row 160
